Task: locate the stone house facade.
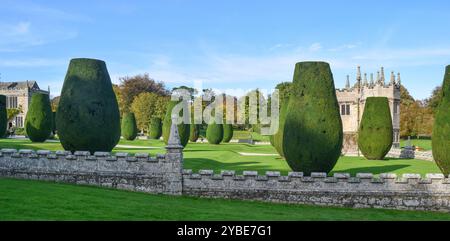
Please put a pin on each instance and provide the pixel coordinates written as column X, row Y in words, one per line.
column 352, row 100
column 18, row 95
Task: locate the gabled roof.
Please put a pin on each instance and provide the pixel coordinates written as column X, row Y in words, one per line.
column 19, row 85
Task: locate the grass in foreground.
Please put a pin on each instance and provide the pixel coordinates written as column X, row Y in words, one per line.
column 38, row 200
column 226, row 157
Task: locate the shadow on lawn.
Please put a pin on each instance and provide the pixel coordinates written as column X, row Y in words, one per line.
column 206, row 163
column 374, row 170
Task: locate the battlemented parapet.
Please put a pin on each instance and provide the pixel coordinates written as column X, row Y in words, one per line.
column 159, row 174
column 410, row 191
column 164, row 174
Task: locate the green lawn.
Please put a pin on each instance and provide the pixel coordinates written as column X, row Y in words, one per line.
column 247, row 135
column 38, row 200
column 424, row 144
column 226, row 157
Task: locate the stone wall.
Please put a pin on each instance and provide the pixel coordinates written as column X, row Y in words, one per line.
column 160, row 174
column 410, row 191
column 165, row 174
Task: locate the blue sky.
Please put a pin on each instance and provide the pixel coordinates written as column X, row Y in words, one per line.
column 226, row 44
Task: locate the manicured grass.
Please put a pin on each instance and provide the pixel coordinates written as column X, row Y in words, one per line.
column 38, row 200
column 424, row 144
column 247, row 135
column 226, row 157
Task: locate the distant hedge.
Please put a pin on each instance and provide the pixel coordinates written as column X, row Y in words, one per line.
column 194, row 132
column 441, row 129
column 227, row 132
column 155, row 128
column 129, row 128
column 39, row 118
column 375, row 130
column 214, row 133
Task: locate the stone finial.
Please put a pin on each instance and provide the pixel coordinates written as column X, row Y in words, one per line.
column 378, row 77
column 398, row 79
column 347, row 84
column 371, row 80
column 382, row 79
column 365, row 80
column 358, row 73
column 392, row 81
column 174, row 137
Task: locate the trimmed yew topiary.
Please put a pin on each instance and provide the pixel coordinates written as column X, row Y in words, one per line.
column 3, row 116
column 278, row 137
column 38, row 122
column 227, row 132
column 214, row 133
column 88, row 117
column 194, row 132
column 441, row 128
column 312, row 135
column 129, row 129
column 183, row 129
column 375, row 130
column 155, row 128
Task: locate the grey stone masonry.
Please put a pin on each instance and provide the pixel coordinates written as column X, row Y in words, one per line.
column 164, row 173
column 410, row 191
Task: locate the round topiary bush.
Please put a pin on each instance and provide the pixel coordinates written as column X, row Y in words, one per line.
column 441, row 128
column 155, row 128
column 227, row 132
column 88, row 116
column 312, row 133
column 129, row 129
column 214, row 133
column 375, row 130
column 3, row 116
column 38, row 122
column 183, row 129
column 194, row 132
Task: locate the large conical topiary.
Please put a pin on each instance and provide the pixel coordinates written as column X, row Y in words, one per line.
column 129, row 129
column 155, row 128
column 194, row 132
column 375, row 130
column 441, row 128
column 3, row 116
column 38, row 122
column 88, row 116
column 183, row 129
column 227, row 132
column 214, row 133
column 312, row 135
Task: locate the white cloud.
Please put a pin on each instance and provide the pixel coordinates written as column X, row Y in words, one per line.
column 315, row 47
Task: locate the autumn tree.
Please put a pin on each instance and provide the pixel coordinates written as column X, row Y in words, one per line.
column 146, row 106
column 130, row 87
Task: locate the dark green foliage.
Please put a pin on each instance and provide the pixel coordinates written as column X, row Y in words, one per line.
column 88, row 116
column 441, row 129
column 183, row 129
column 375, row 130
column 155, row 128
column 129, row 129
column 227, row 132
column 278, row 137
column 312, row 135
column 195, row 132
column 3, row 116
column 54, row 122
column 214, row 133
column 38, row 122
